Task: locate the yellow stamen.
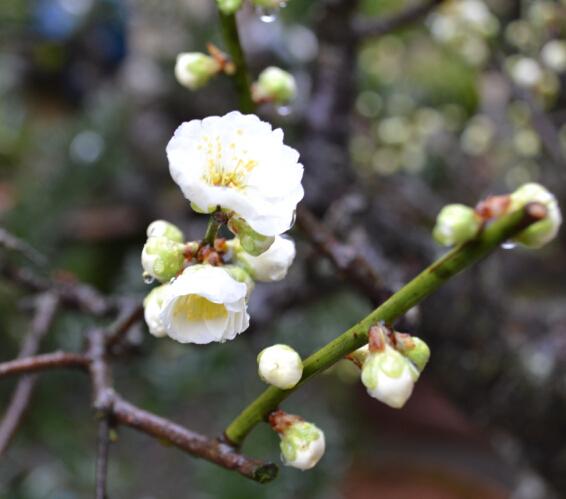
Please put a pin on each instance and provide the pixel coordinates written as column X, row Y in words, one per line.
column 197, row 308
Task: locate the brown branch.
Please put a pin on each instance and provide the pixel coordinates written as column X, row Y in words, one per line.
column 43, row 362
column 383, row 26
column 45, row 313
column 102, row 458
column 132, row 314
column 13, row 243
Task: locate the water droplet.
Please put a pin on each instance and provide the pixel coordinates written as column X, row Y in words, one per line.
column 283, row 110
column 508, row 245
column 148, row 279
column 267, row 15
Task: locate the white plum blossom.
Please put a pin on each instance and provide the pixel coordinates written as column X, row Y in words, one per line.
column 280, row 366
column 273, row 264
column 389, row 377
column 205, row 304
column 302, row 445
column 152, row 308
column 241, row 164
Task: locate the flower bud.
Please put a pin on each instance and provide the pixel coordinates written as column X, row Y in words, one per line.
column 280, row 366
column 302, row 445
column 275, row 85
column 162, row 258
column 416, row 350
column 229, row 6
column 194, row 69
column 273, row 264
column 539, row 233
column 253, row 243
column 162, row 228
column 389, row 377
column 152, row 308
column 456, row 224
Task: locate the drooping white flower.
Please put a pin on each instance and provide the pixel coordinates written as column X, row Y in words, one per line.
column 539, row 233
column 302, row 445
column 239, row 163
column 193, row 69
column 273, row 264
column 280, row 366
column 205, row 304
column 152, row 308
column 389, row 377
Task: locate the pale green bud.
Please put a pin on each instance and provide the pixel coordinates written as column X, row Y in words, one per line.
column 302, row 445
column 418, row 352
column 194, row 69
column 389, row 377
column 162, row 228
column 456, row 224
column 275, row 85
column 280, row 366
column 539, row 233
column 229, row 6
column 253, row 243
column 162, row 258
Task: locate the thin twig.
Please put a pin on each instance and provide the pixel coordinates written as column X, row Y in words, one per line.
column 13, row 243
column 44, row 315
column 124, row 323
column 43, row 362
column 102, row 457
column 401, row 302
column 379, row 27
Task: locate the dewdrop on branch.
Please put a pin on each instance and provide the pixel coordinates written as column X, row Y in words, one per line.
column 280, row 366
column 162, row 228
column 302, row 444
column 205, row 304
column 238, row 163
column 271, row 265
column 194, row 69
column 162, row 258
column 274, row 85
column 539, row 233
column 229, row 6
column 456, row 224
column 153, row 306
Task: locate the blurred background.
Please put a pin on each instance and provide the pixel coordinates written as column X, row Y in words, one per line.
column 461, row 104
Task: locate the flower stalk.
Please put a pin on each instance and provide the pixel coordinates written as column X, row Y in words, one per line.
column 424, row 284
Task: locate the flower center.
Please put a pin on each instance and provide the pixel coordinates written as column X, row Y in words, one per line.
column 226, row 168
column 197, row 308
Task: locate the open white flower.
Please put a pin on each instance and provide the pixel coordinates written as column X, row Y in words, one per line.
column 389, row 377
column 205, row 304
column 152, row 308
column 239, row 163
column 302, row 445
column 280, row 366
column 273, row 264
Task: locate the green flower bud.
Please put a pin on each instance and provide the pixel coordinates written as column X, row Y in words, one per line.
column 539, row 233
column 229, row 6
column 162, row 258
column 302, row 445
column 417, row 352
column 253, row 243
column 162, row 228
column 275, row 85
column 193, row 69
column 456, row 224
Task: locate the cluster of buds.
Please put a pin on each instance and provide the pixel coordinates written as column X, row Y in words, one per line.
column 391, row 363
column 457, row 224
column 465, row 26
column 302, row 443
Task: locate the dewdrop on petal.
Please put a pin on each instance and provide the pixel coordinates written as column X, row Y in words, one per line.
column 275, row 85
column 152, row 308
column 194, row 69
column 162, row 258
column 280, row 366
column 229, row 6
column 539, row 233
column 273, row 264
column 389, row 377
column 162, row 228
column 302, row 444
column 456, row 224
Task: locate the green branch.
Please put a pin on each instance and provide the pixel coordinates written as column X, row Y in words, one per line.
column 407, row 297
column 241, row 76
